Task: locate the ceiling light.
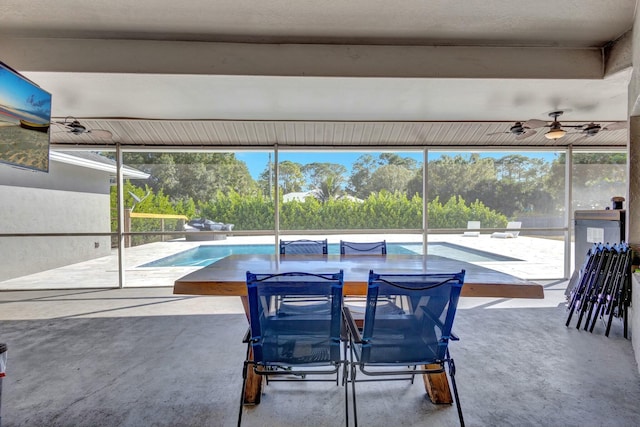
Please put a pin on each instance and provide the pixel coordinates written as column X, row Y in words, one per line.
column 555, row 133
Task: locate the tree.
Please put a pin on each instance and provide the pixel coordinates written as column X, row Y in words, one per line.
column 516, row 167
column 459, row 175
column 520, row 186
column 290, row 176
column 511, row 184
column 266, row 179
column 319, row 173
column 363, row 180
column 414, row 186
column 328, row 189
column 395, row 159
column 393, row 178
column 192, row 175
column 596, row 178
column 360, row 175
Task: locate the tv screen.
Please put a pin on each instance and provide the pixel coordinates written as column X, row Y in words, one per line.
column 25, row 116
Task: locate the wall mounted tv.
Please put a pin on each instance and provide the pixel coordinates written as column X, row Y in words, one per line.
column 25, row 116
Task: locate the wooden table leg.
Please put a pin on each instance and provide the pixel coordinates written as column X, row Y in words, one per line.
column 437, row 385
column 253, row 385
column 253, row 382
column 245, row 305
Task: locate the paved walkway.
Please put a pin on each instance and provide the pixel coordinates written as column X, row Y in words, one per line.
column 542, row 258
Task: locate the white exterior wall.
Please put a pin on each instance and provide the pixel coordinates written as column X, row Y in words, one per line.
column 68, row 199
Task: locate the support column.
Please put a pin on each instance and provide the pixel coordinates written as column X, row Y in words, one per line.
column 633, row 200
column 633, row 225
column 633, row 170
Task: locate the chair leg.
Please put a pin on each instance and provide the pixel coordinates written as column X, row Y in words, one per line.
column 244, row 382
column 452, row 374
column 352, row 379
column 346, row 396
column 345, row 383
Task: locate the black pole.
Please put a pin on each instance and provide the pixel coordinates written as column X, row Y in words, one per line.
column 3, row 351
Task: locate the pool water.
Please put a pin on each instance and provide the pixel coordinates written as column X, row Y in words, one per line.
column 206, row 254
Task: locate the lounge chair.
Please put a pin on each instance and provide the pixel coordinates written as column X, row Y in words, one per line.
column 201, row 224
column 402, row 344
column 472, row 225
column 513, row 226
column 292, row 347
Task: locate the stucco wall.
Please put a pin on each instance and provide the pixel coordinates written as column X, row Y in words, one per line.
column 633, row 226
column 69, row 199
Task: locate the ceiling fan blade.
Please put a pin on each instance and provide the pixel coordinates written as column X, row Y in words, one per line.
column 100, row 133
column 527, row 134
column 615, row 126
column 534, row 123
column 581, row 137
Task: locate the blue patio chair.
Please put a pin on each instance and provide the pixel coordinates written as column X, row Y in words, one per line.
column 363, row 248
column 357, row 304
column 303, row 247
column 290, row 347
column 391, row 344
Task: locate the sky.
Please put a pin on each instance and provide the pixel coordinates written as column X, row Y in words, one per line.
column 257, row 161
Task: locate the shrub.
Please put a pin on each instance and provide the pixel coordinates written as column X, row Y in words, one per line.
column 383, row 210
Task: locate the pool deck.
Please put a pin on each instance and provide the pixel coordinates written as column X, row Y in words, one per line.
column 541, row 259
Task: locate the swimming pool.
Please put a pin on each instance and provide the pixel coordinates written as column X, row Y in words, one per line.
column 204, row 255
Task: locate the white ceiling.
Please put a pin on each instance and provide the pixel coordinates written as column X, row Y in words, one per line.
column 323, row 63
column 583, row 23
column 182, row 97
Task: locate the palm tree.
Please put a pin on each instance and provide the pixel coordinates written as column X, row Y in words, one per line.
column 329, row 189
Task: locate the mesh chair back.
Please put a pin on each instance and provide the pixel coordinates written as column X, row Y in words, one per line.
column 305, row 337
column 363, row 248
column 302, row 247
column 419, row 331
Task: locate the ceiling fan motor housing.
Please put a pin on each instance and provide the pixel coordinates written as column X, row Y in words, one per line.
column 591, row 129
column 517, row 129
column 76, row 127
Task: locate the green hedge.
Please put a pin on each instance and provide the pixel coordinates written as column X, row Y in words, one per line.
column 380, row 211
column 383, row 210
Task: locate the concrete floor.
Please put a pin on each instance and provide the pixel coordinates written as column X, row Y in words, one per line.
column 144, row 357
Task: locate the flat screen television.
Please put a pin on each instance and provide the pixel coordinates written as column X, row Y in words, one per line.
column 25, row 116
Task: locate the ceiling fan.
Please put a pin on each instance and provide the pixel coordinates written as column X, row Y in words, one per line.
column 519, row 130
column 72, row 125
column 556, row 130
column 526, row 129
column 592, row 129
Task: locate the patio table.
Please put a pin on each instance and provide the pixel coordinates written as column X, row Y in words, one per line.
column 227, row 276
